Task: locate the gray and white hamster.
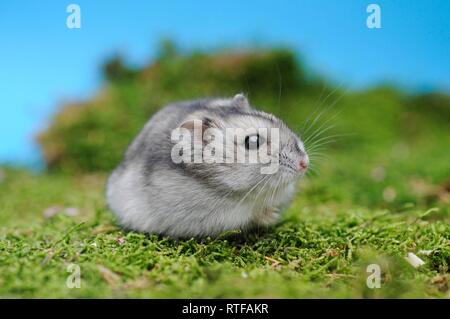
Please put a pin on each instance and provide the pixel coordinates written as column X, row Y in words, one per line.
column 150, row 192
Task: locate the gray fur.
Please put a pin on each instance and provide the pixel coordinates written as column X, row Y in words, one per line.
column 149, row 193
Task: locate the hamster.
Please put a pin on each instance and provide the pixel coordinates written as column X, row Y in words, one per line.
column 153, row 192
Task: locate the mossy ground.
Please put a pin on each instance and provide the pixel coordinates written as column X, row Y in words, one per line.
column 317, row 250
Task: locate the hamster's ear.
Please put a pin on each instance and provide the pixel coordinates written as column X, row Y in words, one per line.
column 199, row 123
column 240, row 100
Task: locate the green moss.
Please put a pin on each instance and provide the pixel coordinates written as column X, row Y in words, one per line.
column 317, row 250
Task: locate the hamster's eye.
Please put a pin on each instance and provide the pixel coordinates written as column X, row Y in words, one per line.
column 252, row 142
column 297, row 147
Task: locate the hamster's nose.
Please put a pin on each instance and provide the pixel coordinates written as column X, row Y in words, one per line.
column 303, row 163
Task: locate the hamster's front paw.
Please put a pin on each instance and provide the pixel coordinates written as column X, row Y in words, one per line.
column 268, row 217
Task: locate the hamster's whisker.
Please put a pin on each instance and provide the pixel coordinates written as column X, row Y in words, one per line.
column 252, row 189
column 320, row 156
column 321, row 129
column 317, row 133
column 316, row 151
column 319, row 144
column 316, row 156
column 317, row 107
column 266, row 179
column 318, row 103
column 312, row 170
column 332, row 138
column 318, row 160
column 322, row 143
column 312, row 154
column 315, row 163
column 327, row 108
column 268, row 196
column 275, row 189
column 262, row 188
column 319, row 147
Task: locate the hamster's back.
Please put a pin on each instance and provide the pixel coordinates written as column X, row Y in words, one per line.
column 128, row 185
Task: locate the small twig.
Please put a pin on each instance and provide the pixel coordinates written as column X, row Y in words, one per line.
column 340, row 275
column 274, row 261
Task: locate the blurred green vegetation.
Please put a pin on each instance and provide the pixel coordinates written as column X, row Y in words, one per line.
column 381, row 190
